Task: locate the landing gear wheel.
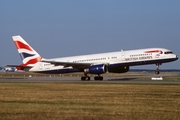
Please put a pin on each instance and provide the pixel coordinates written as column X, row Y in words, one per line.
column 157, row 72
column 98, row 78
column 85, row 78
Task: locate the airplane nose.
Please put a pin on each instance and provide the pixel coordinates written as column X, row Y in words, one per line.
column 177, row 57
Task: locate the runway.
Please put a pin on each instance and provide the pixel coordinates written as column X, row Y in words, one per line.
column 120, row 80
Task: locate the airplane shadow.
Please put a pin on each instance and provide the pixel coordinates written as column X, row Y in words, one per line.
column 121, row 79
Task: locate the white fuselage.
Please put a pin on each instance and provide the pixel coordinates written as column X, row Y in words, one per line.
column 124, row 58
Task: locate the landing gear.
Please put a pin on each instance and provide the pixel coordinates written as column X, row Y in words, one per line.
column 157, row 68
column 157, row 72
column 98, row 78
column 85, row 78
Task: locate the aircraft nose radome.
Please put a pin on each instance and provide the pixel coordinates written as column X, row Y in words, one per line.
column 177, row 56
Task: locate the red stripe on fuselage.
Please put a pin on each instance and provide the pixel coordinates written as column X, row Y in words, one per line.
column 20, row 45
column 153, row 51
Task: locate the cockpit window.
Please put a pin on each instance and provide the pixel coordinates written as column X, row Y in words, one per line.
column 168, row 52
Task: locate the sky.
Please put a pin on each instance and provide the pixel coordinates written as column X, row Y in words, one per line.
column 59, row 28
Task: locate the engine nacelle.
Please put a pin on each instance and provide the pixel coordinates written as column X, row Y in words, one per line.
column 118, row 69
column 96, row 69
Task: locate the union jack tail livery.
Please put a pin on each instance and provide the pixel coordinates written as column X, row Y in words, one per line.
column 28, row 55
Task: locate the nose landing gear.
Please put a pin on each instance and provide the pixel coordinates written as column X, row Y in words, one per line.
column 157, row 68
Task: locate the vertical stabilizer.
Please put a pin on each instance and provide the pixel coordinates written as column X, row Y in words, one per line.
column 28, row 55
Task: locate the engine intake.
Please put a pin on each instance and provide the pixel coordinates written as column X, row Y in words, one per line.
column 96, row 69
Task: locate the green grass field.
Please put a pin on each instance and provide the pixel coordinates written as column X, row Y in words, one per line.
column 52, row 101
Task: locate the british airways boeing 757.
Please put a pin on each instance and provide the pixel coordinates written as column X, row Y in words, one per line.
column 112, row 62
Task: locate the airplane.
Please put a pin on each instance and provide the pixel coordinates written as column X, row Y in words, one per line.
column 111, row 62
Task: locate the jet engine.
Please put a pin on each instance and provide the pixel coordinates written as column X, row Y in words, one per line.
column 118, row 69
column 96, row 69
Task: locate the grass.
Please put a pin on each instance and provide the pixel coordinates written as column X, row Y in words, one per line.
column 44, row 101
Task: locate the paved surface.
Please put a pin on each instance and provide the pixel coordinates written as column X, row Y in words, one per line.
column 127, row 80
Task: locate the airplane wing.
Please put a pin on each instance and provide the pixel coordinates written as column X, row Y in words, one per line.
column 68, row 64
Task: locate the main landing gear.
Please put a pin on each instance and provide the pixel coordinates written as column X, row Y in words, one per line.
column 98, row 78
column 157, row 68
column 87, row 78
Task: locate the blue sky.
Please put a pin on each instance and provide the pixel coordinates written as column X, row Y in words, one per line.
column 58, row 28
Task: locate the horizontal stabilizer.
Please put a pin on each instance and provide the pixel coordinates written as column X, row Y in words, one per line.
column 21, row 66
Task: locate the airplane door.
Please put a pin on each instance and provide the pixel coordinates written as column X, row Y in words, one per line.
column 40, row 66
column 123, row 54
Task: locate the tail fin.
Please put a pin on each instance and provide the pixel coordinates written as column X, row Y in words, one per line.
column 28, row 55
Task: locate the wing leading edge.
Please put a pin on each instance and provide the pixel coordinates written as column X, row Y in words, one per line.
column 69, row 64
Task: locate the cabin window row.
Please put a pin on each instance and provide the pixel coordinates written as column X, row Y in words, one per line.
column 47, row 64
column 140, row 55
column 94, row 59
column 90, row 60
